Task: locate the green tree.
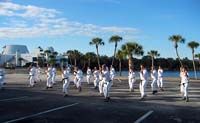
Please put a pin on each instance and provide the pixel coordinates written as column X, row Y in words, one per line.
column 130, row 49
column 62, row 61
column 69, row 53
column 153, row 54
column 97, row 41
column 89, row 56
column 120, row 55
column 193, row 45
column 76, row 55
column 115, row 39
column 55, row 54
column 198, row 56
column 177, row 39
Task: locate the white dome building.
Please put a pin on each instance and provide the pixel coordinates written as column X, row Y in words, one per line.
column 12, row 49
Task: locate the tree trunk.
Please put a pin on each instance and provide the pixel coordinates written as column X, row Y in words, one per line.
column 130, row 62
column 84, row 63
column 114, row 54
column 152, row 59
column 98, row 56
column 74, row 62
column 70, row 60
column 195, row 72
column 199, row 60
column 120, row 67
column 89, row 62
column 178, row 57
column 62, row 64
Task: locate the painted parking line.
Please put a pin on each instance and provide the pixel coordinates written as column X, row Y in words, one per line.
column 40, row 113
column 143, row 117
column 119, row 80
column 10, row 99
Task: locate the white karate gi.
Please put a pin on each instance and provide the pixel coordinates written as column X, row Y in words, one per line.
column 144, row 82
column 107, row 83
column 66, row 75
column 96, row 78
column 49, row 77
column 160, row 78
column 131, row 80
column 153, row 84
column 89, row 75
column 53, row 75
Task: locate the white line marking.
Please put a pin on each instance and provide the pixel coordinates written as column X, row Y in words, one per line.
column 143, row 117
column 9, row 99
column 119, row 80
column 40, row 113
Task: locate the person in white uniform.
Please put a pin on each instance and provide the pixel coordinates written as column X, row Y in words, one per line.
column 54, row 75
column 184, row 84
column 112, row 72
column 144, row 81
column 101, row 81
column 69, row 69
column 66, row 80
column 107, row 83
column 38, row 73
column 2, row 77
column 32, row 76
column 89, row 75
column 79, row 76
column 96, row 78
column 49, row 77
column 131, row 79
column 154, row 78
column 160, row 78
column 75, row 78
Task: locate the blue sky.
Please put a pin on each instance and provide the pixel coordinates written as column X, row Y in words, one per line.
column 71, row 24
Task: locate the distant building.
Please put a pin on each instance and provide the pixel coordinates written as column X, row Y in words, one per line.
column 18, row 55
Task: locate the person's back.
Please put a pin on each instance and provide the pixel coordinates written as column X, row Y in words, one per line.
column 49, row 71
column 106, row 75
column 153, row 74
column 32, row 72
column 54, row 70
column 144, row 75
column 160, row 72
column 79, row 74
column 89, row 72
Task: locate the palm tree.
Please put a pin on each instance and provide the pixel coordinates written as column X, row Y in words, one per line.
column 97, row 41
column 55, row 53
column 89, row 56
column 69, row 53
column 115, row 39
column 62, row 60
column 130, row 49
column 76, row 55
column 153, row 54
column 177, row 39
column 198, row 56
column 193, row 45
column 41, row 59
column 120, row 55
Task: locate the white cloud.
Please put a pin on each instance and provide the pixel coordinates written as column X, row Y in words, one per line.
column 32, row 21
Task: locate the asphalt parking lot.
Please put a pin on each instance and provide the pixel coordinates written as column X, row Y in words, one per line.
column 19, row 103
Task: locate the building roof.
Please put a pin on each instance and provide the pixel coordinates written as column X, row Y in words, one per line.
column 11, row 49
